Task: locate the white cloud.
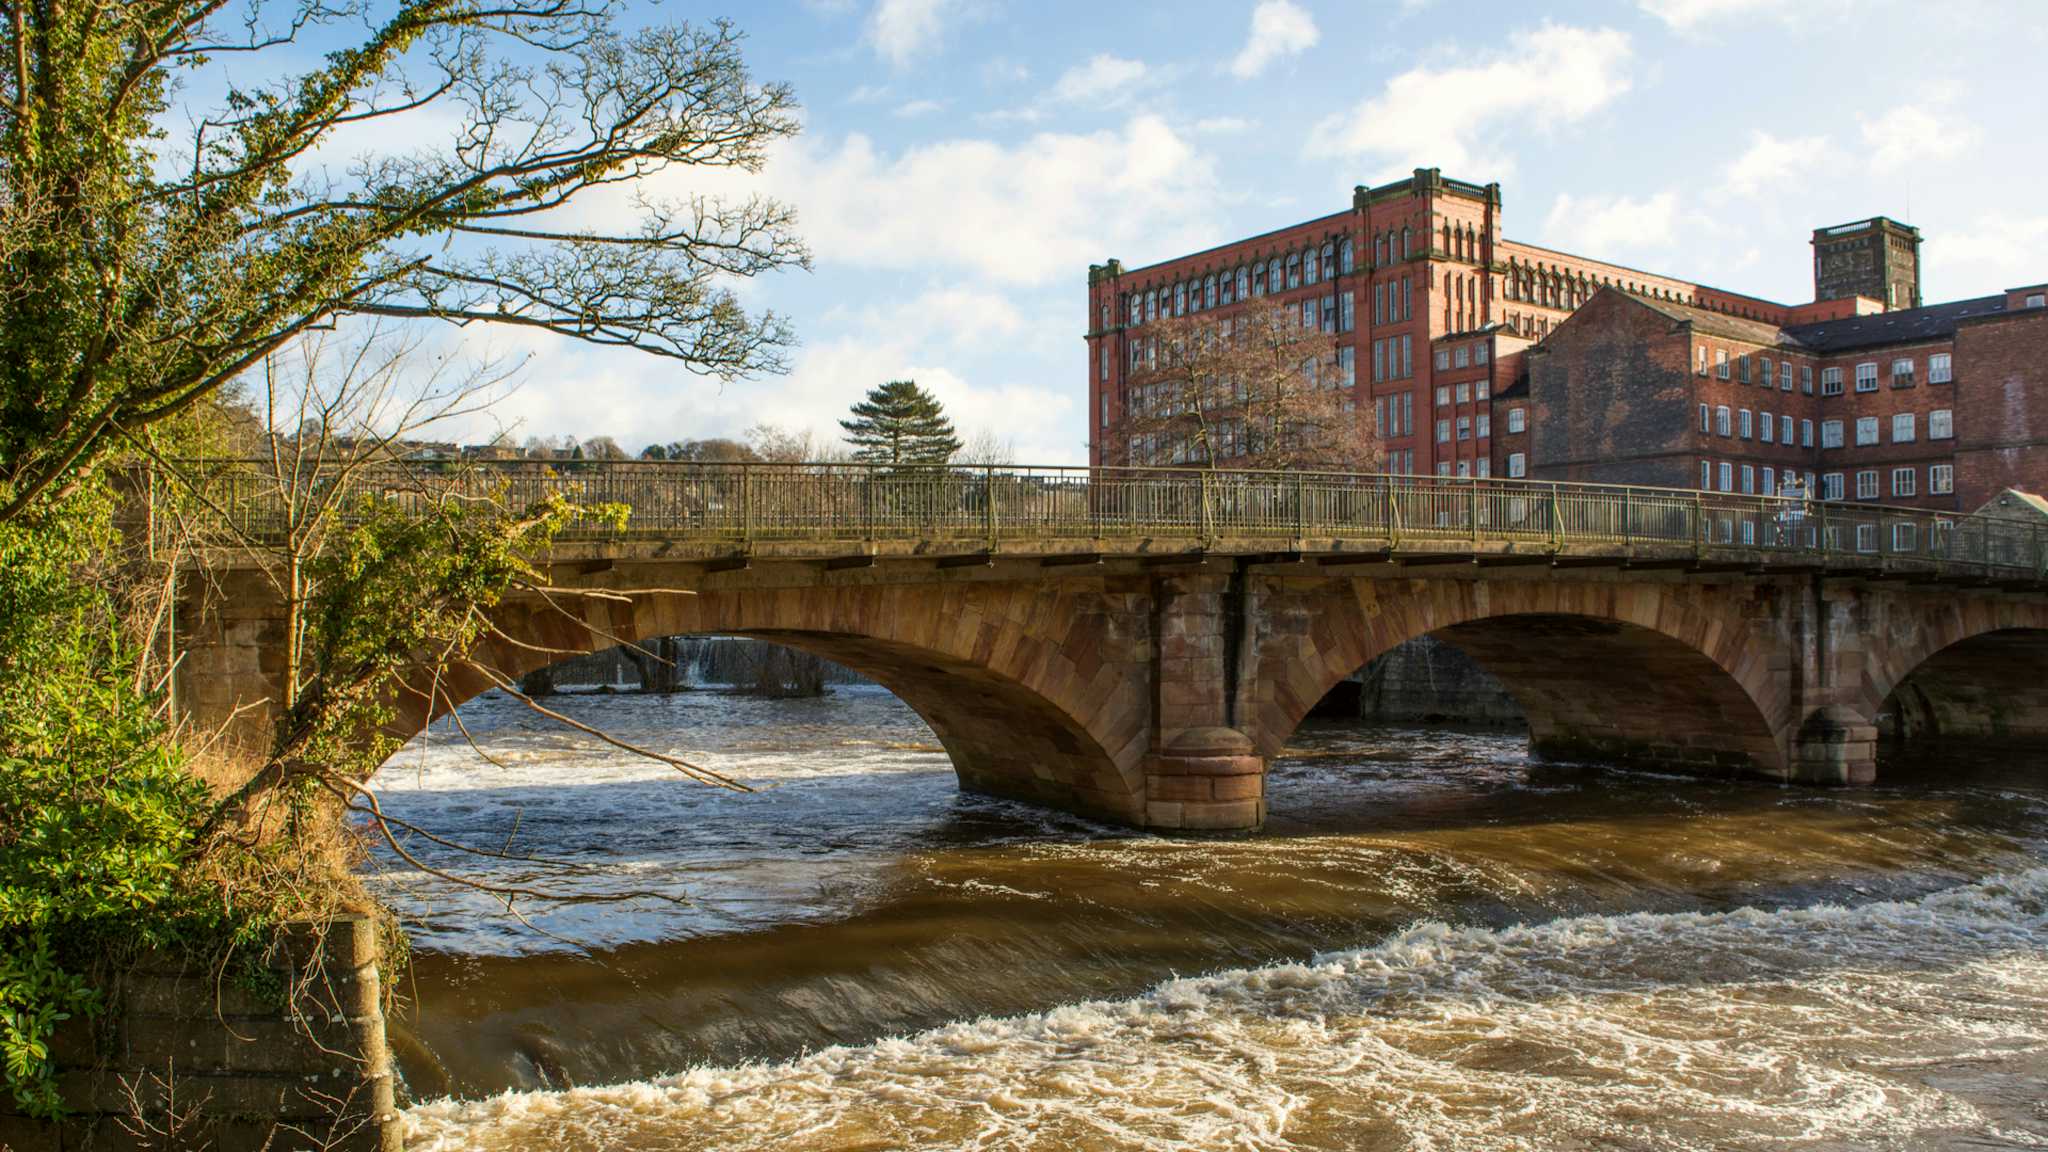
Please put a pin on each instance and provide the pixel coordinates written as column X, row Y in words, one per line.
column 1915, row 134
column 1104, row 77
column 1444, row 117
column 2000, row 250
column 1688, row 15
column 1224, row 125
column 1279, row 28
column 918, row 108
column 903, row 29
column 1036, row 212
column 1612, row 227
column 1771, row 163
column 868, row 94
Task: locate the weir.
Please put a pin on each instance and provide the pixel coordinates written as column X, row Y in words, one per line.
column 1135, row 645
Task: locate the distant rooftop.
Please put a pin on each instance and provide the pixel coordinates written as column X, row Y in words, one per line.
column 1905, row 326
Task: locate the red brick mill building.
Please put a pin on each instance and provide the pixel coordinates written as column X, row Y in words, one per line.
column 1476, row 355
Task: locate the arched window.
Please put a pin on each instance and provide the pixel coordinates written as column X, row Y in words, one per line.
column 1308, row 265
column 1258, row 279
column 1448, row 249
column 1293, row 270
column 1209, row 291
column 1329, row 260
column 1244, row 282
column 1344, row 257
column 1152, row 305
column 1407, row 235
column 1226, row 285
column 1180, row 299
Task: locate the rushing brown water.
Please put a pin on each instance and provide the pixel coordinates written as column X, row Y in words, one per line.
column 1436, row 944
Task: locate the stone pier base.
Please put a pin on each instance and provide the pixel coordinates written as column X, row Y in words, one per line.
column 1208, row 779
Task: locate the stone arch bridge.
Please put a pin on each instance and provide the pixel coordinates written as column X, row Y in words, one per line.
column 1136, row 645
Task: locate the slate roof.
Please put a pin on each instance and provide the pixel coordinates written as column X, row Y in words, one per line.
column 1905, row 326
column 1715, row 323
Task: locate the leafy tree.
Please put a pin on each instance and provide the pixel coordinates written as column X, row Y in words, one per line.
column 154, row 248
column 900, row 423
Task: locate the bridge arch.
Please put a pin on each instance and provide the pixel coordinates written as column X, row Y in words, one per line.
column 1023, row 686
column 1966, row 672
column 1665, row 675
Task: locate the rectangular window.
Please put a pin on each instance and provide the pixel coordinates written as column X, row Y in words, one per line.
column 1742, row 369
column 1347, row 367
column 1831, row 486
column 1866, row 376
column 1902, row 428
column 1407, row 356
column 1105, row 409
column 1748, row 480
column 1443, row 395
column 1903, row 481
column 1464, row 427
column 1485, row 467
column 1785, row 377
column 1721, row 363
column 1747, row 424
column 1806, row 433
column 1379, row 303
column 1479, row 388
column 1727, row 476
column 1866, row 484
column 1941, row 424
column 1866, row 430
column 1461, row 357
column 1902, row 373
column 1518, row 465
column 1443, row 359
column 1785, row 430
column 1706, row 475
column 1349, row 319
column 1763, row 377
column 1938, row 368
column 1700, row 359
column 1408, row 422
column 1722, row 425
column 1831, row 381
column 1485, row 426
column 1831, row 433
column 1443, row 468
column 1866, row 537
column 1464, row 393
column 1941, row 479
column 1379, row 415
column 1706, row 419
column 1379, row 360
column 1479, row 355
column 1905, row 537
column 1104, row 358
column 1443, row 431
column 1518, row 420
column 1768, row 427
column 1770, row 487
column 1464, row 469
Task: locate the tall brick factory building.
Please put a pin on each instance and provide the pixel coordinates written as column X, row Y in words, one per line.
column 1474, row 355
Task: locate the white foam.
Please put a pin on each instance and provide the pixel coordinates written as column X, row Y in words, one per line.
column 1692, row 1030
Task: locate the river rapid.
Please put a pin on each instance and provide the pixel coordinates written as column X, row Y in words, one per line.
column 1437, row 943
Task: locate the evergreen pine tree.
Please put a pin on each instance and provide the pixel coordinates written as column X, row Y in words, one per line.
column 900, row 423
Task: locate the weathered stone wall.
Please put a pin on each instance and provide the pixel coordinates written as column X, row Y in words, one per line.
column 1424, row 681
column 183, row 1061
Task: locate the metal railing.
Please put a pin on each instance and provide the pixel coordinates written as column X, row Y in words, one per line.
column 990, row 507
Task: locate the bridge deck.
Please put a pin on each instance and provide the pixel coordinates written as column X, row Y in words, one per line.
column 848, row 514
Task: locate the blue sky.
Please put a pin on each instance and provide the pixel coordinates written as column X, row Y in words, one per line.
column 965, row 160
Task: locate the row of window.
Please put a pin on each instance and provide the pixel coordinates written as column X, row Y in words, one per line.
column 1461, row 393
column 1393, row 358
column 1467, row 469
column 1461, row 356
column 1394, row 415
column 1940, row 370
column 1749, row 479
column 1941, row 425
column 1468, row 428
column 1245, row 282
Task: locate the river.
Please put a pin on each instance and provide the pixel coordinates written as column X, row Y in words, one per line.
column 1436, row 944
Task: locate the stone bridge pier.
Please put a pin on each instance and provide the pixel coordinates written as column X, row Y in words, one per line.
column 1154, row 690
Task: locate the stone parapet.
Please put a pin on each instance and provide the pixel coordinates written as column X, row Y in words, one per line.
column 186, row 1058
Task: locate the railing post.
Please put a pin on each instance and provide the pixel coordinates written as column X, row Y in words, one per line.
column 1393, row 516
column 1699, row 525
column 747, row 503
column 988, row 496
column 1474, row 504
column 1300, row 508
column 1627, row 519
column 1556, row 520
column 1208, row 513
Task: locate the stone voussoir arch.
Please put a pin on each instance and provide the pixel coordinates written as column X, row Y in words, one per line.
column 1899, row 636
column 1636, row 654
column 1035, row 689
